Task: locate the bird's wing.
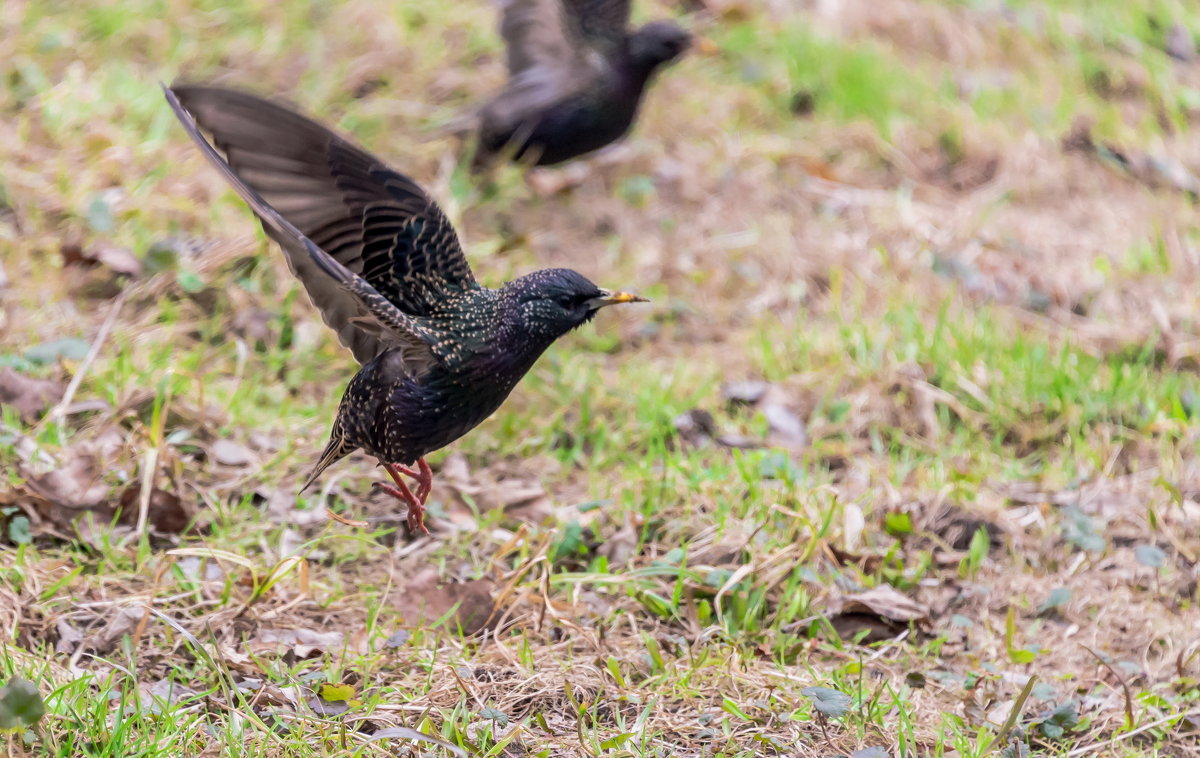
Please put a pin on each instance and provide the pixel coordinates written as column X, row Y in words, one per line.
column 374, row 221
column 365, row 320
column 603, row 23
column 560, row 34
column 536, row 34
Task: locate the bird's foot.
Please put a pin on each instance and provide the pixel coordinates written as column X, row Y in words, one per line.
column 423, row 475
column 416, row 510
column 415, row 502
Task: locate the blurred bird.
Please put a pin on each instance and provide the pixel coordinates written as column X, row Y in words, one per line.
column 384, row 267
column 576, row 77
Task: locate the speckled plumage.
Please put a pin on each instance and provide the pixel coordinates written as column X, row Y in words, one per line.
column 384, row 266
column 576, row 77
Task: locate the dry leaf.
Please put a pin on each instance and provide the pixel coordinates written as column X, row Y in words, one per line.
column 695, row 426
column 853, row 524
column 28, row 395
column 619, row 547
column 76, row 485
column 119, row 260
column 787, row 429
column 1179, row 43
column 230, row 453
column 301, row 642
column 881, row 611
column 166, row 512
column 124, row 621
column 281, row 508
column 164, row 694
column 425, row 601
column 748, row 392
column 68, row 637
column 252, row 325
column 522, row 498
column 550, row 182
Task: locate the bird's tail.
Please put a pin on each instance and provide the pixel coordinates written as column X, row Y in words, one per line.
column 334, row 451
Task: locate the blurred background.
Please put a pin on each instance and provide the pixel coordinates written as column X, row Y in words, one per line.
column 921, row 361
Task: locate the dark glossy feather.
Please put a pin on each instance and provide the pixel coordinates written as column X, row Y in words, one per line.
column 376, row 222
column 576, row 77
column 600, row 22
column 365, row 321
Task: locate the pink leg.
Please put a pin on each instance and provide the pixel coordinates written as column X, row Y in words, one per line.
column 416, row 508
column 423, row 476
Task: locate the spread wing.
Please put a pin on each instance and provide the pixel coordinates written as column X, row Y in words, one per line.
column 366, row 321
column 374, row 221
column 556, row 50
column 560, row 34
column 603, row 23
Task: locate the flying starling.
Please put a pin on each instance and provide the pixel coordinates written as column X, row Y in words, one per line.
column 576, row 76
column 384, row 266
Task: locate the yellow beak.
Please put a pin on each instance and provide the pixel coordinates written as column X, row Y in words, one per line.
column 608, row 297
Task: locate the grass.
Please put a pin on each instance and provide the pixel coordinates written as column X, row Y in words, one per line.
column 990, row 342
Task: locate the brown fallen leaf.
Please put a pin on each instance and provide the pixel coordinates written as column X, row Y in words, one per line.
column 77, row 484
column 281, row 508
column 303, row 643
column 230, row 453
column 550, row 182
column 787, row 428
column 124, row 620
column 747, row 392
column 495, row 487
column 29, row 396
column 619, row 546
column 166, row 512
column 425, row 601
column 68, row 636
column 252, row 325
column 1179, row 43
column 696, row 426
column 882, row 612
column 119, row 260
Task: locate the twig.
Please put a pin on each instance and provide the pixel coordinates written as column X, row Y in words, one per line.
column 149, row 470
column 1122, row 737
column 343, row 520
column 1124, row 686
column 60, row 409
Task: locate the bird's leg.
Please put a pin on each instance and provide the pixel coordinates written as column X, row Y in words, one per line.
column 416, row 507
column 424, row 481
column 423, row 476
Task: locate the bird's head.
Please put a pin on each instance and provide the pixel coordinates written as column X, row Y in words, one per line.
column 658, row 43
column 552, row 302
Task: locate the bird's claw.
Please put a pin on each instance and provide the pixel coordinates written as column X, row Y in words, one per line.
column 415, row 501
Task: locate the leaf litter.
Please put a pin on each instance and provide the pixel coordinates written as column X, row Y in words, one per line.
column 28, row 395
column 1061, row 213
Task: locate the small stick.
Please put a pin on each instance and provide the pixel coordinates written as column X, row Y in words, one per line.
column 343, row 520
column 60, row 409
column 1124, row 686
column 1120, row 737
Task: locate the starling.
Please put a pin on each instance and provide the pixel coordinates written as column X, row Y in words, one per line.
column 384, row 267
column 576, row 76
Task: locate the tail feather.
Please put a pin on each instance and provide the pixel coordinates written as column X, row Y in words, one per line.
column 337, row 449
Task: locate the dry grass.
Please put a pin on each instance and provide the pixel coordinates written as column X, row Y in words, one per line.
column 970, row 273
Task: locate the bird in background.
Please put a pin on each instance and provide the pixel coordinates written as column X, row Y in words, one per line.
column 577, row 73
column 385, row 268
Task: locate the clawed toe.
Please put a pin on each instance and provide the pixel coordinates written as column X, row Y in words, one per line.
column 423, row 477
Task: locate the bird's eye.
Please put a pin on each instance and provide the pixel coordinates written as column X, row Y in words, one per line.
column 566, row 301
